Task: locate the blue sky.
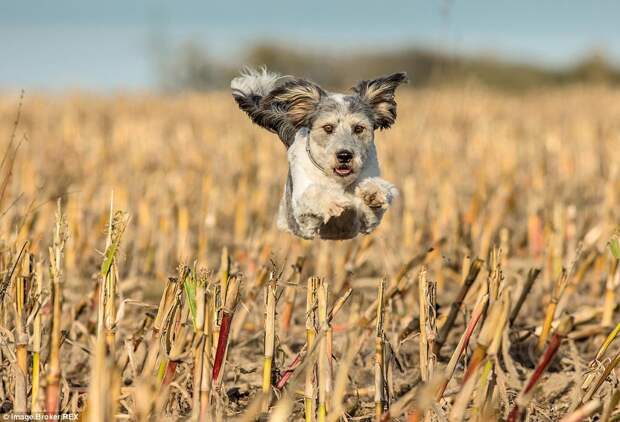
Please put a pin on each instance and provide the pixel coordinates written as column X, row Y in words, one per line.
column 107, row 45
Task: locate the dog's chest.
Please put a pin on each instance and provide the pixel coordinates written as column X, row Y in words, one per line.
column 345, row 226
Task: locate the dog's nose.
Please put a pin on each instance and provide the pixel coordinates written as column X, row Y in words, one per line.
column 344, row 156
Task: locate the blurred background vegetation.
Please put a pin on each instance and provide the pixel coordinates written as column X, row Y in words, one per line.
column 190, row 68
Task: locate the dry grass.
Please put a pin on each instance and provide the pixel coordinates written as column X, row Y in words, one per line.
column 98, row 316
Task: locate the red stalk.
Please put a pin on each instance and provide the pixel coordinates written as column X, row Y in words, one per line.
column 222, row 344
column 171, row 368
column 288, row 372
column 552, row 348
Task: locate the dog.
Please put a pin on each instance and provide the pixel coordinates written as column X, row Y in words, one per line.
column 333, row 190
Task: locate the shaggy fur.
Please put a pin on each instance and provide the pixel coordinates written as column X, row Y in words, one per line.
column 333, row 189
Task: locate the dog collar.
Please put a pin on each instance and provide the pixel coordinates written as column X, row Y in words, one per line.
column 312, row 160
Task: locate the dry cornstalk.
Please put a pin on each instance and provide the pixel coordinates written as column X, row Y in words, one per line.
column 270, row 339
column 228, row 311
column 224, row 271
column 56, row 274
column 290, row 290
column 21, row 334
column 324, row 364
column 200, row 301
column 170, row 333
column 422, row 291
column 459, row 406
column 220, row 297
column 599, row 356
column 472, row 275
column 172, row 292
column 485, row 338
column 178, row 334
column 431, row 325
column 613, row 281
column 282, row 409
column 206, row 369
column 379, row 355
column 476, row 314
column 36, row 341
column 532, row 275
column 566, row 325
column 610, row 406
column 109, row 278
column 249, row 298
column 485, row 388
column 309, row 390
column 105, row 381
column 608, row 340
column 594, row 388
column 583, row 412
column 398, row 285
column 357, row 338
column 287, row 373
column 556, row 295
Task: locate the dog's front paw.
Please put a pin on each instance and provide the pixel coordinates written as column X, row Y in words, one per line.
column 335, row 206
column 376, row 193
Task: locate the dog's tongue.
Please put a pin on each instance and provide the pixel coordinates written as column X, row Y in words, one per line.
column 343, row 171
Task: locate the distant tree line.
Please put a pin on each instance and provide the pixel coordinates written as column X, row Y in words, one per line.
column 190, row 68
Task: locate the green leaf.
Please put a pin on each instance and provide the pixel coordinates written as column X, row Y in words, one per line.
column 109, row 258
column 614, row 246
column 117, row 227
column 189, row 285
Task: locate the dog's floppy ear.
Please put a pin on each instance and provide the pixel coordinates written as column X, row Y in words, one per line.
column 250, row 88
column 280, row 104
column 292, row 105
column 379, row 95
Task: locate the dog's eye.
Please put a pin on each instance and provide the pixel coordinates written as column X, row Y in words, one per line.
column 328, row 128
column 358, row 129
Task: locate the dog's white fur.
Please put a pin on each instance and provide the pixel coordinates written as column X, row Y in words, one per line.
column 315, row 198
column 315, row 202
column 256, row 81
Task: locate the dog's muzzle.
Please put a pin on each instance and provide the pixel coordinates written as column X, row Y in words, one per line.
column 344, row 158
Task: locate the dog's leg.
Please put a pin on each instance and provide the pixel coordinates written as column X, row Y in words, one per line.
column 374, row 196
column 316, row 206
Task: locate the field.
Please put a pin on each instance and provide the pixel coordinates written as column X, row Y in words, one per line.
column 143, row 277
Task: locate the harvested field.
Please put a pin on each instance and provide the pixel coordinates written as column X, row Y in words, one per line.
column 143, row 277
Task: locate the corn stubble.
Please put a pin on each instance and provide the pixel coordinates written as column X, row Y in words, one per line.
column 488, row 293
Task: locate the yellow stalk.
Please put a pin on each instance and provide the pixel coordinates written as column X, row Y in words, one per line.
column 270, row 338
column 206, row 369
column 36, row 343
column 422, row 288
column 324, row 354
column 556, row 295
column 310, row 336
column 379, row 361
column 56, row 274
column 21, row 333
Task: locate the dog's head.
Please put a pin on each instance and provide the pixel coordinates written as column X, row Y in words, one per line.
column 340, row 126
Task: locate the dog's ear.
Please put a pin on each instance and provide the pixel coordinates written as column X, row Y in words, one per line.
column 280, row 104
column 379, row 95
column 297, row 99
column 248, row 90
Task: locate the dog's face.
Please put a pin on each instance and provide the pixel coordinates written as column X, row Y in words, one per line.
column 341, row 127
column 341, row 136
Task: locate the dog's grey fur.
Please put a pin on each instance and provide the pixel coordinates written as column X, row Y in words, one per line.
column 323, row 197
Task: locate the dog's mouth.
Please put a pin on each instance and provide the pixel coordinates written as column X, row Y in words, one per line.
column 343, row 170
